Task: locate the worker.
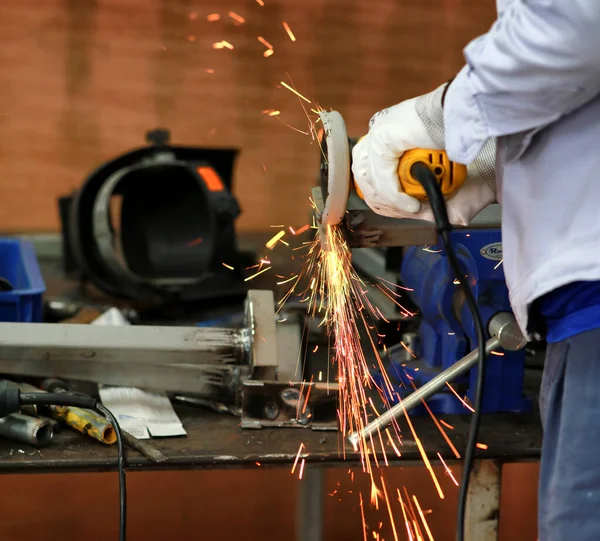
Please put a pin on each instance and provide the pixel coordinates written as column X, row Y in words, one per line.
column 524, row 115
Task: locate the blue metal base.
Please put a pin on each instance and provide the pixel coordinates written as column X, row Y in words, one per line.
column 447, row 331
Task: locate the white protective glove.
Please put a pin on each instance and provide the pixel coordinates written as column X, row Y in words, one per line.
column 417, row 123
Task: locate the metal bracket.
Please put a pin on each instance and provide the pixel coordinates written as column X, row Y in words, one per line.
column 279, row 404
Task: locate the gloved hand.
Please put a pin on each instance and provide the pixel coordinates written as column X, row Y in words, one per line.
column 417, row 123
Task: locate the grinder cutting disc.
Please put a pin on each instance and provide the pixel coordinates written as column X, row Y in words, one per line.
column 335, row 167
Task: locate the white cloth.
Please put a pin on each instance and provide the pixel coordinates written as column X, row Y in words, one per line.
column 533, row 82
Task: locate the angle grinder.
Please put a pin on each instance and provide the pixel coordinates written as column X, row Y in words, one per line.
column 337, row 181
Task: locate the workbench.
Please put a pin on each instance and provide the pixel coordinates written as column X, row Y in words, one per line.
column 216, row 441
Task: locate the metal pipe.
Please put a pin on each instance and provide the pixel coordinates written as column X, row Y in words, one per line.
column 31, row 430
column 505, row 334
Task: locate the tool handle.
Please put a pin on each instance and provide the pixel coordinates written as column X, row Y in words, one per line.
column 449, row 175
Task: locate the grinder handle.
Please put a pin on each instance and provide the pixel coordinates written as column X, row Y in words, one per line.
column 450, row 175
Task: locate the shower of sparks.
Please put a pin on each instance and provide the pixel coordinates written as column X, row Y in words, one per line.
column 458, row 396
column 237, row 18
column 227, row 266
column 213, row 17
column 423, row 519
column 302, row 229
column 448, row 471
column 293, row 90
column 222, row 45
column 272, row 242
column 297, row 458
column 265, row 42
column 287, row 28
column 256, row 274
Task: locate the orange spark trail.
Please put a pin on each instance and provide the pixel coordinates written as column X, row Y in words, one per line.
column 222, row 45
column 255, row 275
column 424, row 456
column 481, row 446
column 446, row 424
column 236, row 17
column 260, row 2
column 448, row 471
column 389, row 506
column 265, row 42
column 362, row 514
column 301, row 468
column 227, row 266
column 297, row 458
column 406, row 521
column 295, row 91
column 275, row 239
column 268, row 53
column 213, row 17
column 426, row 526
column 287, row 28
column 458, row 396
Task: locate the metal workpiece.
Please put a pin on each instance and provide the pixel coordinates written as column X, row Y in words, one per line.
column 280, row 404
column 367, row 229
column 261, row 326
column 209, row 362
column 502, row 324
column 26, row 429
column 148, row 345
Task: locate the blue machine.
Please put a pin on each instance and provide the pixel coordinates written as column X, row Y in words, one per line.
column 447, row 333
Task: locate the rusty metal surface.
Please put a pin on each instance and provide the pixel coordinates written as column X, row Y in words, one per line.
column 482, row 517
column 215, row 440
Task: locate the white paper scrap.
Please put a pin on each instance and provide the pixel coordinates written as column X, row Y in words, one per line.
column 138, row 410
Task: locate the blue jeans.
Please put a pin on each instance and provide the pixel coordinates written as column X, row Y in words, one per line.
column 569, row 490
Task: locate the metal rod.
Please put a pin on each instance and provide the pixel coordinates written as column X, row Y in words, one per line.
column 31, row 430
column 423, row 393
column 49, row 342
column 219, row 382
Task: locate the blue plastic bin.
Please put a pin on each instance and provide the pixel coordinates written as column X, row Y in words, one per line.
column 19, row 265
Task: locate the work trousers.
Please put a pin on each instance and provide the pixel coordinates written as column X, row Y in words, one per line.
column 569, row 489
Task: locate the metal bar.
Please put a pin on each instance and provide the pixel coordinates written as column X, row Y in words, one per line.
column 32, row 430
column 482, row 515
column 311, row 497
column 48, row 342
column 214, row 381
column 423, row 393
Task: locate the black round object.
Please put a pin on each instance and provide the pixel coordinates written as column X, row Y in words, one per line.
column 175, row 231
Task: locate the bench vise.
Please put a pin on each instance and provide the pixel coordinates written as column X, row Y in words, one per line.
column 446, row 331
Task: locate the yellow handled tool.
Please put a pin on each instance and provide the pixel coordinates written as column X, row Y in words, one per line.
column 450, row 175
column 336, row 165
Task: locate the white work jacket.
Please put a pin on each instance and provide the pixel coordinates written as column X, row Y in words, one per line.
column 533, row 81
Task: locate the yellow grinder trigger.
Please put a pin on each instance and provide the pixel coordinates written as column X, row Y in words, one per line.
column 450, row 175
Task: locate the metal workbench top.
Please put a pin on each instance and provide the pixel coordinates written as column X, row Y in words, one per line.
column 216, row 441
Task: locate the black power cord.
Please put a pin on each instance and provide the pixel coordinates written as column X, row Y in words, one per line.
column 421, row 172
column 11, row 400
